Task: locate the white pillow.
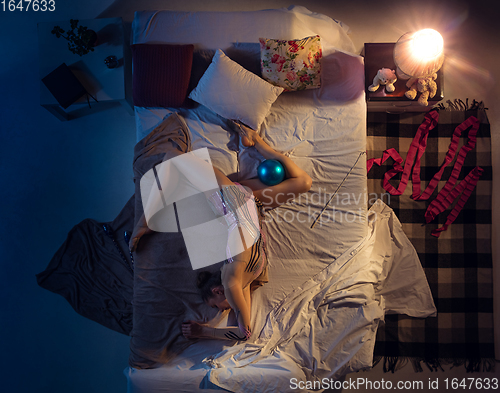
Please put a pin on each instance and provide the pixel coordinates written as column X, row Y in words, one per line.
column 235, row 93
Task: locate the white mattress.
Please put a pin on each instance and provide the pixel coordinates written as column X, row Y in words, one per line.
column 324, row 132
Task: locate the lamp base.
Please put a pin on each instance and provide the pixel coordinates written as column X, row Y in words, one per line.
column 380, row 55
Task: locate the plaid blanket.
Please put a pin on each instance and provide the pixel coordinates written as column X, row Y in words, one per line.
column 458, row 264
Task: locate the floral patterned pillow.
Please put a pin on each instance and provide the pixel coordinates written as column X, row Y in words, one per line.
column 292, row 64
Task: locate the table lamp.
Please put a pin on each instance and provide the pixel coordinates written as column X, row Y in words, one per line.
column 418, row 54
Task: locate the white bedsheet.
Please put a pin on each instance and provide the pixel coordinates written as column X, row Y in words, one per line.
column 319, row 312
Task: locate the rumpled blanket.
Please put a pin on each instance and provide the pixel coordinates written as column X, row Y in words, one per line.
column 92, row 270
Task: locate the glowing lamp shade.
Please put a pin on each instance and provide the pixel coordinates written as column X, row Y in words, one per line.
column 419, row 54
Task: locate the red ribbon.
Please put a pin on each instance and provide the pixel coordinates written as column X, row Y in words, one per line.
column 449, row 192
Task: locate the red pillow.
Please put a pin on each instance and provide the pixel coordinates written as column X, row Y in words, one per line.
column 161, row 74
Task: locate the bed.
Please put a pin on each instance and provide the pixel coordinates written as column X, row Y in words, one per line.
column 329, row 286
column 335, row 269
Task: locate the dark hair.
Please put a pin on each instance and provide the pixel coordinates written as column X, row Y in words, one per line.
column 206, row 281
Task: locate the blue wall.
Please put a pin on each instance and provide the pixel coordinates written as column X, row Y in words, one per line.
column 54, row 174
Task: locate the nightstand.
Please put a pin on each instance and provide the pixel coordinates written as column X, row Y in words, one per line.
column 107, row 85
column 380, row 55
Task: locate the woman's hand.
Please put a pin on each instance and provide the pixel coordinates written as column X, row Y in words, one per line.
column 192, row 329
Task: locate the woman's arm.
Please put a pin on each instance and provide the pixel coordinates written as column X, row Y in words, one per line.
column 240, row 304
column 296, row 181
column 192, row 329
column 239, row 300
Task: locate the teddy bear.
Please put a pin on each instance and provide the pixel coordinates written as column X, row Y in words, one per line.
column 385, row 76
column 426, row 86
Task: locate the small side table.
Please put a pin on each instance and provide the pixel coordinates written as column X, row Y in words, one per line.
column 107, row 85
column 380, row 55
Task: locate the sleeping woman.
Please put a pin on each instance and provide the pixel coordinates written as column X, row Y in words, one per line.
column 242, row 205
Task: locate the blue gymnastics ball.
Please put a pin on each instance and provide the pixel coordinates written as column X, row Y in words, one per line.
column 271, row 172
